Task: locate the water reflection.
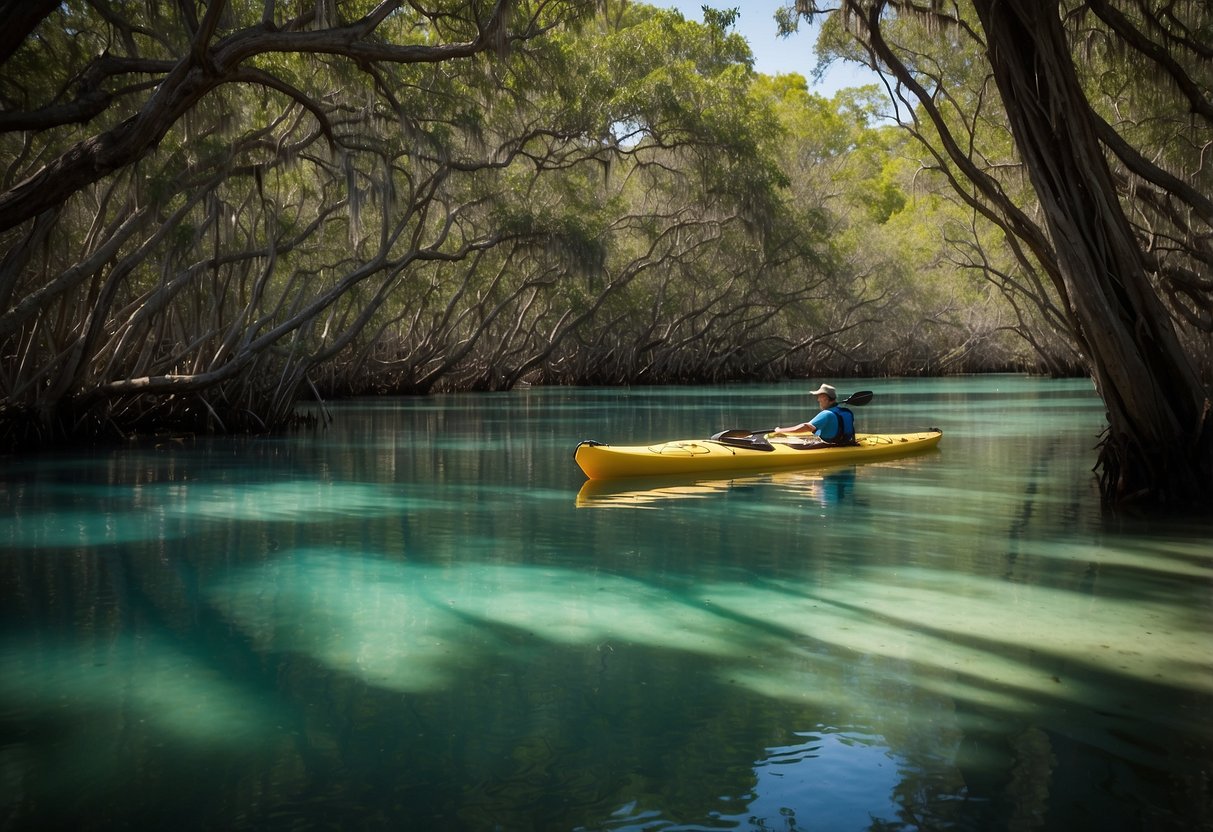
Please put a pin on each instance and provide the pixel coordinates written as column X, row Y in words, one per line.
column 825, row 487
column 921, row 660
column 984, row 643
column 168, row 510
column 366, row 629
column 827, row 778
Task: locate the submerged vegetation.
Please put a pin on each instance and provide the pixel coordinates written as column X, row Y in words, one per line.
column 211, row 210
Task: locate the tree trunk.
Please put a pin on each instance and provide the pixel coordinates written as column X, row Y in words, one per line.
column 1159, row 447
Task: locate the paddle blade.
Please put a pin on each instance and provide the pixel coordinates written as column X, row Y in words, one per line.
column 860, row 398
column 754, row 440
column 737, row 433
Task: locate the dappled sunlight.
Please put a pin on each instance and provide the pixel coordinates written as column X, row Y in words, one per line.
column 979, row 640
column 994, row 645
column 304, row 629
column 808, row 679
column 412, row 628
column 292, row 500
column 168, row 511
column 80, row 529
column 902, row 649
column 365, row 618
column 962, row 619
column 576, row 607
column 129, row 685
column 1168, row 558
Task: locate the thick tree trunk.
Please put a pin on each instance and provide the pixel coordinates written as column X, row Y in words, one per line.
column 1159, row 448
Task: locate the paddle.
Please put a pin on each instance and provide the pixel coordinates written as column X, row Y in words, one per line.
column 858, row 399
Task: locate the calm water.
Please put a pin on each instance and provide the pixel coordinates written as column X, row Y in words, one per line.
column 419, row 619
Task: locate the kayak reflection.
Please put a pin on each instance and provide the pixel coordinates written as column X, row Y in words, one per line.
column 826, row 486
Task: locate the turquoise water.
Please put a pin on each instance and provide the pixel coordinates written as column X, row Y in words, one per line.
column 418, row 618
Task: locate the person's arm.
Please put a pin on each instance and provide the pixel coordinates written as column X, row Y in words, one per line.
column 801, row 428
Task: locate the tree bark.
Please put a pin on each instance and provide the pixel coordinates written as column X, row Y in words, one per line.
column 1159, row 447
column 192, row 77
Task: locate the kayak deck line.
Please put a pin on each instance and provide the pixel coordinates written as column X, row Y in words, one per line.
column 692, row 456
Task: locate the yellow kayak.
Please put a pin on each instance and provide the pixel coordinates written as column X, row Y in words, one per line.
column 769, row 452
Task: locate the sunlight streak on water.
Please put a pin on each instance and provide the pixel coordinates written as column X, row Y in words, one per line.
column 118, row 685
column 1007, row 640
column 287, row 501
column 983, row 641
column 162, row 512
column 35, row 530
column 362, row 623
column 408, row 627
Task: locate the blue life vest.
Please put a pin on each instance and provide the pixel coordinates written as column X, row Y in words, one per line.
column 846, row 426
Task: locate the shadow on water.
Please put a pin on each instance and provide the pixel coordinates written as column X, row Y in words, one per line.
column 622, row 677
column 372, row 634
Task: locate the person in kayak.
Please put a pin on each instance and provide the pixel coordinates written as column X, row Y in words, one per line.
column 834, row 424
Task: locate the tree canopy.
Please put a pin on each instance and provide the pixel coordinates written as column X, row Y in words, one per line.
column 212, row 209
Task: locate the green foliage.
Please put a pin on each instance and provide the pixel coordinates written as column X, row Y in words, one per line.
column 621, row 199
